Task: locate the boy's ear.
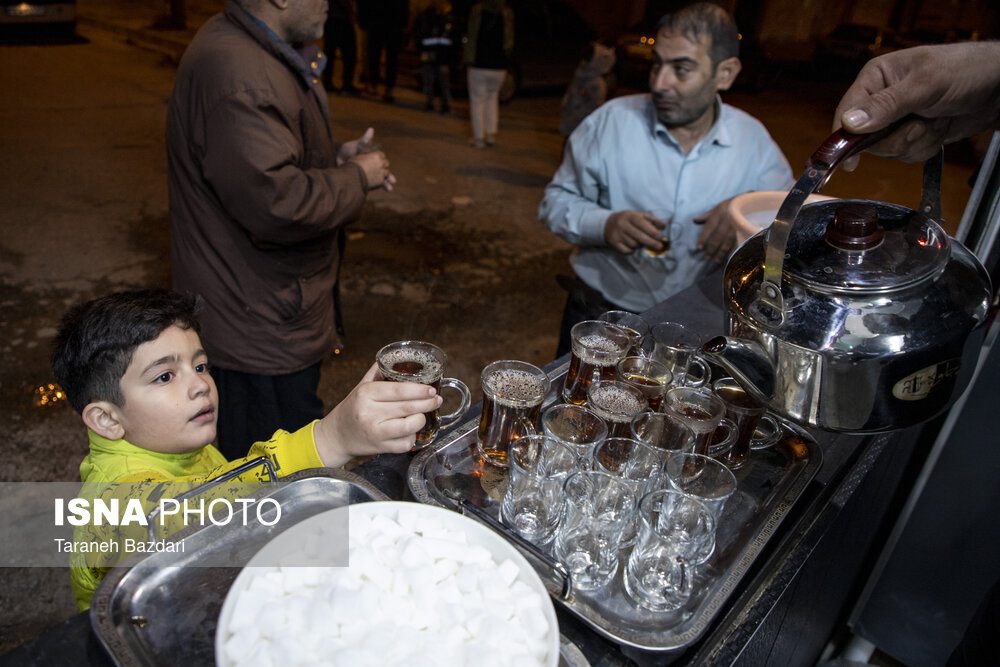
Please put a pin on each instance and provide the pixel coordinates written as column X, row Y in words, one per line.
column 101, row 417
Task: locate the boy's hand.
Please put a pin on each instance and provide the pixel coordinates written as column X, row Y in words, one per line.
column 377, row 417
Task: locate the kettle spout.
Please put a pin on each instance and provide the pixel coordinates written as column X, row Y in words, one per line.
column 746, row 362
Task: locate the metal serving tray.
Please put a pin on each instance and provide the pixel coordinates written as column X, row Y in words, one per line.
column 162, row 609
column 450, row 474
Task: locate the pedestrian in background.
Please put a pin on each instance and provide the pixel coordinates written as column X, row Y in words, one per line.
column 386, row 34
column 434, row 34
column 366, row 18
column 589, row 87
column 338, row 34
column 488, row 47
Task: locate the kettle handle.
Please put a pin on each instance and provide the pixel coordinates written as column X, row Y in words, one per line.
column 840, row 145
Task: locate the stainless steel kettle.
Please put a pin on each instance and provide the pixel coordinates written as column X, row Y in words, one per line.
column 853, row 315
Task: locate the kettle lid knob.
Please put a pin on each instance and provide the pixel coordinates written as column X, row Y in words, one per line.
column 854, row 227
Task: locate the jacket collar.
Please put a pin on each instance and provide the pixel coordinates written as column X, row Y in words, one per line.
column 307, row 61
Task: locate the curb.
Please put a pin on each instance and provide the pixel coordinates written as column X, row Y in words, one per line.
column 171, row 47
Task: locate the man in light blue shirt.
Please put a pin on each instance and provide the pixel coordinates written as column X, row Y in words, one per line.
column 673, row 159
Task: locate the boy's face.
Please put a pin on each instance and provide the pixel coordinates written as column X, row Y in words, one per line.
column 171, row 404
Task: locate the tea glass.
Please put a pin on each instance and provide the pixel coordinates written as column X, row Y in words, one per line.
column 676, row 346
column 723, row 440
column 676, row 534
column 664, row 432
column 616, row 403
column 746, row 412
column 597, row 347
column 635, row 326
column 597, row 508
column 703, row 478
column 638, row 464
column 513, row 392
column 700, row 409
column 575, row 426
column 648, row 376
column 532, row 503
column 417, row 361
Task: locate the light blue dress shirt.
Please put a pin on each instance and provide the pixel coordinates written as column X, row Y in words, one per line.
column 621, row 158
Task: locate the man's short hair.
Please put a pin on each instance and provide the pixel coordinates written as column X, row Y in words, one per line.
column 97, row 339
column 706, row 19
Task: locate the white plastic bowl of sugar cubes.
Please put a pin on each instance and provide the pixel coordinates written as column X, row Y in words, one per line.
column 754, row 211
column 425, row 586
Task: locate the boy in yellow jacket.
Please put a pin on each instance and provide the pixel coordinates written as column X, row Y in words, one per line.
column 133, row 366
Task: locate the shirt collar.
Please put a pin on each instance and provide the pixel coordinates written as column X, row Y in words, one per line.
column 307, row 61
column 718, row 134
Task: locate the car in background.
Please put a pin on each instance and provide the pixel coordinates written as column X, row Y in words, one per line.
column 57, row 14
column 849, row 46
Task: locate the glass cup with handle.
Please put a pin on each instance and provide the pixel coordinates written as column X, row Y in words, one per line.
column 648, row 376
column 745, row 412
column 700, row 409
column 597, row 507
column 616, row 403
column 513, row 392
column 676, row 534
column 677, row 347
column 597, row 347
column 576, row 426
column 665, row 432
column 702, row 477
column 418, row 361
column 635, row 326
column 532, row 503
column 638, row 464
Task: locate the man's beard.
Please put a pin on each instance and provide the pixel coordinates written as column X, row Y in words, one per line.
column 680, row 116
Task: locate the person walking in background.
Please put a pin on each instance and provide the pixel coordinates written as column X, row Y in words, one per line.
column 386, row 34
column 488, row 47
column 338, row 34
column 366, row 19
column 434, row 33
column 589, row 88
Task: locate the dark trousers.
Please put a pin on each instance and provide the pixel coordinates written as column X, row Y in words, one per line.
column 252, row 407
column 437, row 74
column 390, row 41
column 582, row 303
column 339, row 34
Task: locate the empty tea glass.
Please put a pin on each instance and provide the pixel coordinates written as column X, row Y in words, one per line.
column 701, row 477
column 532, row 504
column 575, row 426
column 637, row 464
column 700, row 409
column 676, row 534
column 597, row 507
column 635, row 326
column 677, row 347
column 664, row 432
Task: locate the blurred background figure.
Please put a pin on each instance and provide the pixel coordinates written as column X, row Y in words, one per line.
column 589, row 87
column 389, row 18
column 489, row 43
column 434, row 33
column 338, row 35
column 366, row 18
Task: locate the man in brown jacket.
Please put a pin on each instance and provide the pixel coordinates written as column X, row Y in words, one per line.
column 258, row 191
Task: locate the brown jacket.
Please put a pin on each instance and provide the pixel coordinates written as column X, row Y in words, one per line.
column 256, row 197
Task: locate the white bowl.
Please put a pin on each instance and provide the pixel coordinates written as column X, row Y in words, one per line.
column 404, row 512
column 754, row 211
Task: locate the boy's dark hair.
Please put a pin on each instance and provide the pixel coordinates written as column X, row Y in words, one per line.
column 96, row 340
column 702, row 19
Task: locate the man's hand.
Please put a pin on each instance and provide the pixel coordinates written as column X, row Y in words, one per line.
column 953, row 88
column 718, row 237
column 372, row 161
column 625, row 231
column 377, row 417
